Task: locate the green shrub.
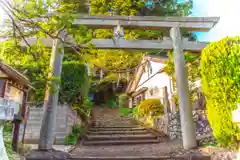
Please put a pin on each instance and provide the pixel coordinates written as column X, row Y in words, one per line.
column 220, row 71
column 125, row 111
column 84, row 110
column 111, row 103
column 75, row 82
column 147, row 106
column 7, row 138
column 123, row 100
column 76, row 133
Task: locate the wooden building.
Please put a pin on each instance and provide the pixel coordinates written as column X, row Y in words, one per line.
column 15, row 86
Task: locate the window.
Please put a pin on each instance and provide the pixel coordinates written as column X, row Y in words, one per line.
column 150, row 68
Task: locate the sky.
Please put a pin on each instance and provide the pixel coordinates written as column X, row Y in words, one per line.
column 227, row 10
column 229, row 24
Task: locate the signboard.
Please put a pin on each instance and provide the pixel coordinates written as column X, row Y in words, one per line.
column 13, row 93
column 236, row 115
column 8, row 108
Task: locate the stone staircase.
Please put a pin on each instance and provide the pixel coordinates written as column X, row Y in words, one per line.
column 118, row 135
column 115, row 137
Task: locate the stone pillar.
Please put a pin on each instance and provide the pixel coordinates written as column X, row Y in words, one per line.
column 187, row 123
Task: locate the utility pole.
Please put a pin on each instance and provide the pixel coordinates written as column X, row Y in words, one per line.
column 51, row 97
column 187, row 123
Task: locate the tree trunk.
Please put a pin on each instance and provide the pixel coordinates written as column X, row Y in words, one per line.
column 187, row 123
column 51, row 98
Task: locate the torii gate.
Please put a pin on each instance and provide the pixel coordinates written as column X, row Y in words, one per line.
column 173, row 24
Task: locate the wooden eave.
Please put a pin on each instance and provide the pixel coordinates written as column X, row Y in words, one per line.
column 14, row 75
column 141, row 90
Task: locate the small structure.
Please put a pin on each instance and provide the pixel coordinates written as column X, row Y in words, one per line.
column 14, row 88
column 151, row 82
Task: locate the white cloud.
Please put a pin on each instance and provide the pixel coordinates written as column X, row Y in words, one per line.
column 228, row 11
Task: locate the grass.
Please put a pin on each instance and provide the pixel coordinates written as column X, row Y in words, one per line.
column 125, row 111
column 7, row 137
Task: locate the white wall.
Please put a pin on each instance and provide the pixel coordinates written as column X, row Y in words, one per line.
column 156, row 83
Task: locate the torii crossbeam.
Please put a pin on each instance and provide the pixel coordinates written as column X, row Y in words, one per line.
column 131, row 44
column 203, row 24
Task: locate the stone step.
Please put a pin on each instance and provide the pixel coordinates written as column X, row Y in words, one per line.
column 119, row 142
column 127, row 158
column 116, row 126
column 115, row 129
column 131, row 132
column 120, row 137
column 202, row 157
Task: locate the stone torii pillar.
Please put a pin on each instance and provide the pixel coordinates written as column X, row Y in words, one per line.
column 187, row 122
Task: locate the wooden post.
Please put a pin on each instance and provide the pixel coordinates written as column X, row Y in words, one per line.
column 130, row 102
column 166, row 109
column 166, row 101
column 51, row 98
column 101, row 74
column 128, row 76
column 16, row 130
column 187, row 123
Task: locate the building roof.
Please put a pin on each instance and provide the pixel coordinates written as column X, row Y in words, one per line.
column 14, row 74
column 141, row 90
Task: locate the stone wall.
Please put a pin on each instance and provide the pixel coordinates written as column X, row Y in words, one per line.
column 171, row 125
column 200, row 119
column 66, row 117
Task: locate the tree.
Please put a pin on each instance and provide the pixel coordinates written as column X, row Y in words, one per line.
column 54, row 19
column 120, row 59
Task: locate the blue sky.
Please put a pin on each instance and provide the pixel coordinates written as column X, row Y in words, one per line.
column 227, row 10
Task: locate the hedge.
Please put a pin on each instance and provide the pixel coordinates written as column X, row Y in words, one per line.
column 220, row 71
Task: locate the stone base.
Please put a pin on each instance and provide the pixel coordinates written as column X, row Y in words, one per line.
column 47, row 155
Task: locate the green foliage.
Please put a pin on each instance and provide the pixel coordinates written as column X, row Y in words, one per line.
column 84, row 110
column 123, row 100
column 22, row 60
column 111, row 103
column 125, row 59
column 7, row 138
column 76, row 133
column 125, row 111
column 75, row 82
column 220, row 73
column 34, row 60
column 148, row 106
